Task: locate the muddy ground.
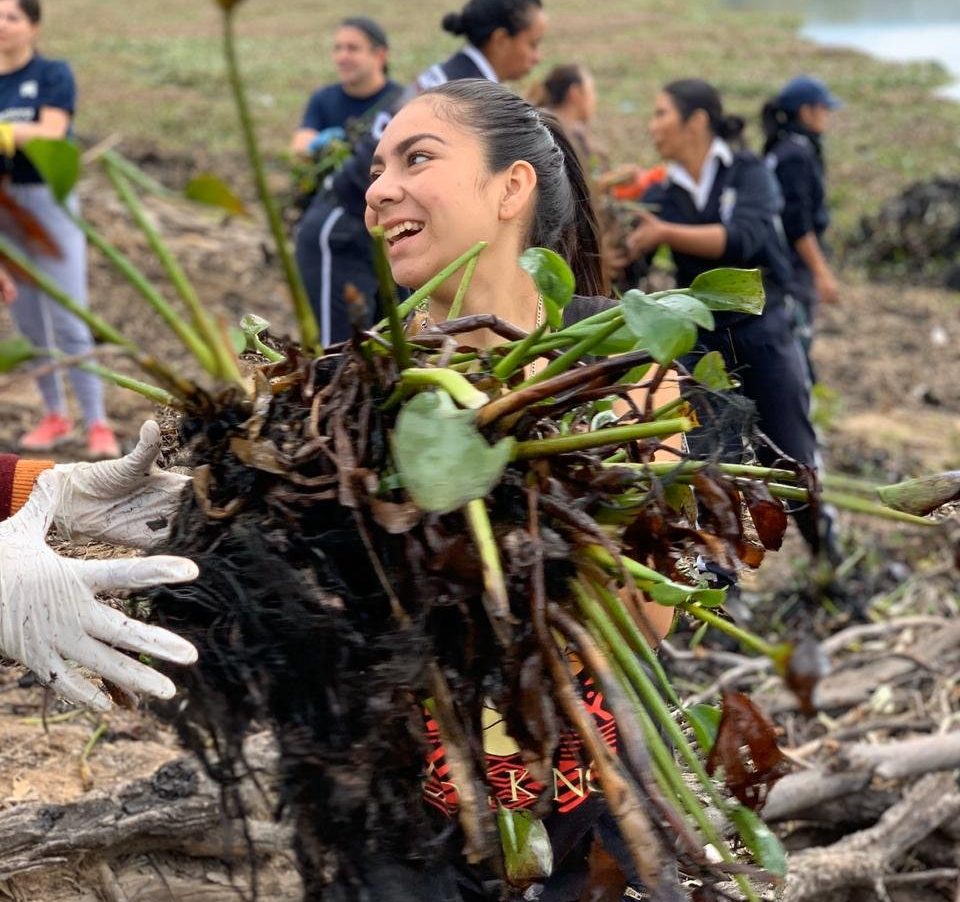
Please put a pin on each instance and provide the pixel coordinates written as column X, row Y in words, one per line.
column 887, row 355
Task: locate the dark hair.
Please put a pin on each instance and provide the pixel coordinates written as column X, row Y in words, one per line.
column 377, row 36
column 31, row 9
column 775, row 121
column 510, row 129
column 553, row 90
column 479, row 19
column 692, row 94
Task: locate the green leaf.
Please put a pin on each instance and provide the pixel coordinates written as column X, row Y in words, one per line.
column 672, row 594
column 527, row 853
column 554, row 280
column 711, row 371
column 666, row 327
column 442, row 458
column 635, row 375
column 238, row 339
column 760, row 840
column 57, row 161
column 705, row 721
column 251, row 324
column 207, row 188
column 15, row 351
column 738, row 290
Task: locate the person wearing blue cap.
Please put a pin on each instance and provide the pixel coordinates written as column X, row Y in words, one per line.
column 794, row 123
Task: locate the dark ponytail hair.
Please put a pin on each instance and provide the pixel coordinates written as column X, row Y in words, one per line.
column 775, row 121
column 479, row 19
column 31, row 9
column 553, row 90
column 692, row 94
column 510, row 129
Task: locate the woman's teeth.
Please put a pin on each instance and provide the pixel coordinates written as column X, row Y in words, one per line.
column 402, row 229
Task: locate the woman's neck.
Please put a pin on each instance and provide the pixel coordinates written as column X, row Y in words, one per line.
column 694, row 157
column 15, row 59
column 505, row 291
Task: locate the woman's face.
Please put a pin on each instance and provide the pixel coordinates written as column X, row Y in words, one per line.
column 431, row 191
column 669, row 133
column 814, row 117
column 514, row 56
column 586, row 96
column 17, row 32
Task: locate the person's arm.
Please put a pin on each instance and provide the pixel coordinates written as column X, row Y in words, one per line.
column 17, row 479
column 809, row 250
column 707, row 241
column 53, row 123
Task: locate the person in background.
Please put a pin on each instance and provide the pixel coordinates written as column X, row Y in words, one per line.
column 332, row 247
column 719, row 208
column 794, row 123
column 37, row 100
column 569, row 92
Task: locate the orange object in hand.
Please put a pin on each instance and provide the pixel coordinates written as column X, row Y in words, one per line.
column 638, row 187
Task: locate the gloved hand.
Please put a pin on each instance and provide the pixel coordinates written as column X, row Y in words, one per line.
column 323, row 137
column 128, row 501
column 48, row 612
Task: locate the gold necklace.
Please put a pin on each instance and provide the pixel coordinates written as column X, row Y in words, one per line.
column 537, row 325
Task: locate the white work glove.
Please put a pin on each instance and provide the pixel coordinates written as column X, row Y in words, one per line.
column 48, row 612
column 129, row 501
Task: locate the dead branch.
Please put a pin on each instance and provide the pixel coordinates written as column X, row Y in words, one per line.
column 865, row 857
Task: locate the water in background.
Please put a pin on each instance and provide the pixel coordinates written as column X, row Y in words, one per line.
column 899, row 30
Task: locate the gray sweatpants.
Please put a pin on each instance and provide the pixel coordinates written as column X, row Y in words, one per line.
column 43, row 320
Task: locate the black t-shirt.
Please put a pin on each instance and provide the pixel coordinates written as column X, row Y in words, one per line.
column 331, row 106
column 40, row 83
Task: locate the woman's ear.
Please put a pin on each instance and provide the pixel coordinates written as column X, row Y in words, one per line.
column 519, row 184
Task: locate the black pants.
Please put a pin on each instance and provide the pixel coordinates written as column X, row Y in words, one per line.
column 333, row 251
column 765, row 356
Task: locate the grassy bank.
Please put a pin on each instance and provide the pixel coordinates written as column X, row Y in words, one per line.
column 153, row 73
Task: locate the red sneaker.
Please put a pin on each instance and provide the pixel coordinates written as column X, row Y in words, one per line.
column 52, row 430
column 101, row 442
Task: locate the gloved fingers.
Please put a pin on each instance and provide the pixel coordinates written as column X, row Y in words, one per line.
column 37, row 513
column 55, row 673
column 114, row 628
column 117, row 667
column 138, row 463
column 134, row 572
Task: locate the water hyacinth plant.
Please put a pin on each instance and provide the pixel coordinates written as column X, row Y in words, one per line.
column 398, row 532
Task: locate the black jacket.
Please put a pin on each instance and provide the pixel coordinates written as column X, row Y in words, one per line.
column 744, row 200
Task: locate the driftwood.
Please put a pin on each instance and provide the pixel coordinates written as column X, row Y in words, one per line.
column 178, row 808
column 866, row 857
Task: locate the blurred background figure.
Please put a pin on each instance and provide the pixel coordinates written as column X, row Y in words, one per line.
column 332, row 244
column 794, row 123
column 569, row 92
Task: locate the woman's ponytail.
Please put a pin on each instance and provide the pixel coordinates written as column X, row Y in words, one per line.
column 774, row 120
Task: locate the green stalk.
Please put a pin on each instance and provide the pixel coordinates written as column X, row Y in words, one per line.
column 182, row 329
column 465, row 280
column 614, row 435
column 388, row 288
column 670, row 407
column 687, row 467
column 309, row 333
column 223, row 363
column 849, row 484
column 849, row 502
column 265, row 350
column 495, row 596
column 136, row 175
column 412, row 302
column 455, row 385
column 658, row 710
column 748, row 640
column 571, row 356
column 504, row 369
column 150, row 392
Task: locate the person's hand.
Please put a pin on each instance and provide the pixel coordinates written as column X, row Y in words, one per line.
column 613, row 255
column 129, row 501
column 48, row 613
column 323, row 137
column 8, row 144
column 647, row 236
column 826, row 287
column 8, row 288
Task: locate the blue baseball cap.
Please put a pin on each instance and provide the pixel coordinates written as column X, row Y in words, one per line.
column 805, row 89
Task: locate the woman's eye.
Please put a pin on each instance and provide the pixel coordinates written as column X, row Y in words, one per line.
column 374, row 175
column 418, row 156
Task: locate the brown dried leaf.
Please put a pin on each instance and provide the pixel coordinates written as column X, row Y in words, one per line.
column 768, row 514
column 746, row 748
column 806, row 666
column 395, row 518
column 18, row 222
column 606, row 880
column 260, row 455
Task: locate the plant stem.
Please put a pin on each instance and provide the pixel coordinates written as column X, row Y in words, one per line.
column 505, row 367
column 495, row 596
column 686, row 467
column 572, row 355
column 309, row 333
column 411, row 303
column 854, row 503
column 223, row 363
column 600, row 438
column 748, row 640
column 182, row 329
column 150, row 392
column 388, row 288
column 455, row 385
column 135, row 174
column 465, row 280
